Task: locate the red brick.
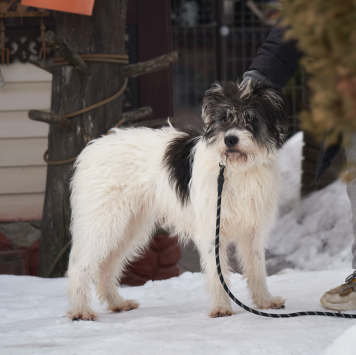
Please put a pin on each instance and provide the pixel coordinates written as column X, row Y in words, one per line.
column 169, row 256
column 162, row 241
column 131, row 278
column 157, row 263
column 164, row 273
column 33, row 260
column 147, row 264
column 5, row 243
column 14, row 262
column 33, row 257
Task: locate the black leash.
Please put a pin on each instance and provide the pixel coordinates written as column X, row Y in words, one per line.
column 259, row 313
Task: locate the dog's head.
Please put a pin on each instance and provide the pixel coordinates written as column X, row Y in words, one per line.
column 245, row 122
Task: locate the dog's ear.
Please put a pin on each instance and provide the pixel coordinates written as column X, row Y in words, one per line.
column 210, row 102
column 275, row 108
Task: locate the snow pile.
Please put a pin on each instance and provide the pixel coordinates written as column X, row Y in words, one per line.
column 314, row 233
column 172, row 319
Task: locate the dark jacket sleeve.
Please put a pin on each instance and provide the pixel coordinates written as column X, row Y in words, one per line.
column 276, row 59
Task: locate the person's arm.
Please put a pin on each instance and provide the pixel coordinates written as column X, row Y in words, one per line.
column 276, row 60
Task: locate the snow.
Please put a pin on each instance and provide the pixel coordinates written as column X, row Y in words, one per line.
column 172, row 319
column 313, row 234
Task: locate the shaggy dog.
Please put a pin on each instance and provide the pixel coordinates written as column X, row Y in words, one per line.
column 127, row 182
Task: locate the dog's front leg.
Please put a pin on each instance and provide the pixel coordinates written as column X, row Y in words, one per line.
column 250, row 250
column 220, row 302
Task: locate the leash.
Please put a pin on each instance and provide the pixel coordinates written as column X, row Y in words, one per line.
column 246, row 308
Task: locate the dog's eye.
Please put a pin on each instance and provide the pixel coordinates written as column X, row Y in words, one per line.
column 224, row 119
column 250, row 119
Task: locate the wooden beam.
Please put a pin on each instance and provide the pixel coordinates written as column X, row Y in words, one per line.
column 150, row 66
column 137, row 114
column 152, row 123
column 133, row 115
column 62, row 49
column 49, row 118
column 41, row 63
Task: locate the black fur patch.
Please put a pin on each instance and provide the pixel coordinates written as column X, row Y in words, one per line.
column 178, row 160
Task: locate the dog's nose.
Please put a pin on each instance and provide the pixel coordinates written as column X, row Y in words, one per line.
column 230, row 141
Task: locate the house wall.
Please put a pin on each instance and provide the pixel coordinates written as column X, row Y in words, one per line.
column 22, row 141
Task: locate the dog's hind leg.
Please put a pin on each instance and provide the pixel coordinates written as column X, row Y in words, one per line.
column 80, row 273
column 92, row 245
column 251, row 254
column 220, row 302
column 107, row 284
column 136, row 236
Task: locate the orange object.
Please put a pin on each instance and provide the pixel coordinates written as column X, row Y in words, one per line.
column 82, row 7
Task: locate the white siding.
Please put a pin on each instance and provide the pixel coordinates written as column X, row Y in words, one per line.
column 25, row 96
column 22, row 141
column 22, row 151
column 16, row 124
column 22, row 180
column 21, row 207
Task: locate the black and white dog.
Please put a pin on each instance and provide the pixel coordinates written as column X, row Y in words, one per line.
column 127, row 182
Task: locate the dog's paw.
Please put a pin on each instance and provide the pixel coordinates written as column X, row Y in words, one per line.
column 84, row 315
column 125, row 306
column 273, row 302
column 218, row 312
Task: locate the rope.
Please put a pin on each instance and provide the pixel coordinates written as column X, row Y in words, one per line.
column 84, row 110
column 110, row 58
column 101, row 103
column 239, row 303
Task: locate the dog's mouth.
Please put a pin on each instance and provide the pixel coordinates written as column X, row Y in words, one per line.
column 232, row 150
column 236, row 154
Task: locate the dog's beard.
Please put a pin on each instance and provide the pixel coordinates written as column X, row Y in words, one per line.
column 240, row 159
column 243, row 155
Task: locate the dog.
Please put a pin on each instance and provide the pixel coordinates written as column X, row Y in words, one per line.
column 130, row 180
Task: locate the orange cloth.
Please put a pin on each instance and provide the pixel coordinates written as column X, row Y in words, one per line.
column 83, row 7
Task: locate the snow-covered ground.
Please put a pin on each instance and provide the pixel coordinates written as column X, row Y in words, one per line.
column 312, row 234
column 172, row 319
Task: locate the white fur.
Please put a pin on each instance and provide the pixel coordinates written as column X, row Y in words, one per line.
column 120, row 190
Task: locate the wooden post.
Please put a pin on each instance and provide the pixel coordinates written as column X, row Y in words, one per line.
column 64, row 51
column 72, row 91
